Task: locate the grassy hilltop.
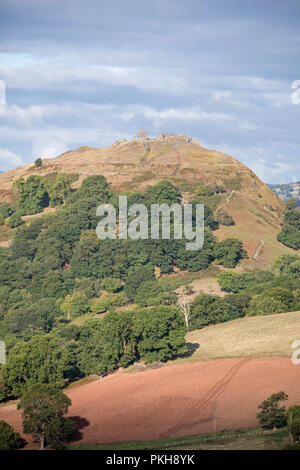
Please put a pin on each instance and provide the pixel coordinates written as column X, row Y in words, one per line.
column 257, row 212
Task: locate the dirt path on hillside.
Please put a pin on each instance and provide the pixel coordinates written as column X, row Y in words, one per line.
column 175, row 400
column 261, row 244
column 257, row 257
column 48, row 210
column 222, row 206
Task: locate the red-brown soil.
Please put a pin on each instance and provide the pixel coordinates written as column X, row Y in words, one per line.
column 176, row 400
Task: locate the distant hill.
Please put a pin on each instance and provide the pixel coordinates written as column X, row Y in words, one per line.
column 286, row 191
column 134, row 165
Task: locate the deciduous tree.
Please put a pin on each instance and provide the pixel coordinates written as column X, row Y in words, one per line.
column 44, row 409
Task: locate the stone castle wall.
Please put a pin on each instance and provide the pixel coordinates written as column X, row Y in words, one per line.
column 143, row 137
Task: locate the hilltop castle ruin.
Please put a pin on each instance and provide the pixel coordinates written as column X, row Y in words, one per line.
column 143, row 137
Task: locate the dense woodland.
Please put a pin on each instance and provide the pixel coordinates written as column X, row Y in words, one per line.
column 62, row 289
column 290, row 234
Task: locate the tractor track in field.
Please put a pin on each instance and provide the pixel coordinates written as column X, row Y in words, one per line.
column 173, row 401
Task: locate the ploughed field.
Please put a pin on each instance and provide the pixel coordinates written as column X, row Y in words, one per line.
column 175, row 401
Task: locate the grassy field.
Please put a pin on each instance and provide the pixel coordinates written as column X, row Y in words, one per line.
column 261, row 336
column 248, row 439
column 171, row 282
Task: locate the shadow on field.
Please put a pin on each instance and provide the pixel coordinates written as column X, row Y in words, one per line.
column 191, row 348
column 79, row 423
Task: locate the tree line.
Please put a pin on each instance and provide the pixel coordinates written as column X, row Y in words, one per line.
column 57, row 271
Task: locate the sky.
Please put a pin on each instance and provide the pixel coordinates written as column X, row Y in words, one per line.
column 92, row 72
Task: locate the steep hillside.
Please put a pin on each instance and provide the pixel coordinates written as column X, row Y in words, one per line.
column 257, row 211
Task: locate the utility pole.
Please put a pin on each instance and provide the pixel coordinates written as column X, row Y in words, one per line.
column 215, row 420
column 290, row 423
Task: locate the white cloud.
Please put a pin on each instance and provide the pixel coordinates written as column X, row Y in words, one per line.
column 184, row 114
column 49, row 130
column 9, row 159
column 265, row 162
column 57, row 75
column 13, row 59
column 49, row 151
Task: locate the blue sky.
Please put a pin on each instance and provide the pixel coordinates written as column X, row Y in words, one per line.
column 92, row 72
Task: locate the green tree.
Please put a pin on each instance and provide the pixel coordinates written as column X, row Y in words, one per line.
column 84, row 262
column 293, row 412
column 14, row 220
column 209, row 310
column 160, row 333
column 75, row 305
column 293, row 420
column 148, row 293
column 18, row 318
column 108, row 301
column 5, row 210
column 275, row 300
column 163, row 192
column 290, row 236
column 108, row 344
column 292, row 218
column 111, row 284
column 227, row 280
column 202, row 190
column 288, row 264
column 291, row 204
column 136, row 277
column 38, row 163
column 9, row 439
column 44, row 313
column 294, row 429
column 44, row 409
column 229, row 252
column 194, row 260
column 89, row 286
column 33, row 194
column 42, row 359
column 272, row 415
column 93, row 187
column 97, row 306
column 60, row 190
column 209, row 219
column 230, row 281
column 240, row 303
column 51, row 284
column 206, row 190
